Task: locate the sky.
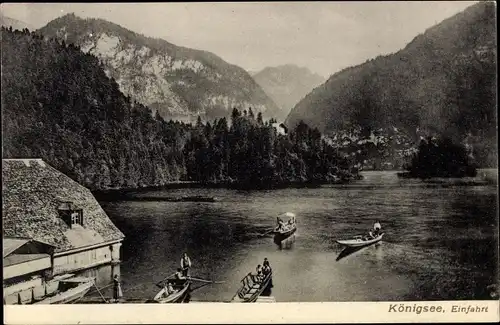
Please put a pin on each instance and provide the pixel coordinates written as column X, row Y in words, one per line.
column 325, row 37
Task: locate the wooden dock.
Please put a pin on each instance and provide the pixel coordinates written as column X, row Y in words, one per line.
column 109, row 300
column 266, row 299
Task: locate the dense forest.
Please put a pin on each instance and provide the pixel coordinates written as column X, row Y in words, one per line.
column 443, row 83
column 253, row 153
column 59, row 105
column 441, row 158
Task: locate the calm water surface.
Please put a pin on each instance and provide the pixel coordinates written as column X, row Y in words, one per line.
column 440, row 242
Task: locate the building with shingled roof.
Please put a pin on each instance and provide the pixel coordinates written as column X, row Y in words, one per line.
column 44, row 209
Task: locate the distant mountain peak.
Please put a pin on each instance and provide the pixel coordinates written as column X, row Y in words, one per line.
column 286, row 84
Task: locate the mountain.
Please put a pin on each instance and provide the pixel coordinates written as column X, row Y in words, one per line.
column 14, row 23
column 442, row 83
column 59, row 105
column 177, row 82
column 287, row 85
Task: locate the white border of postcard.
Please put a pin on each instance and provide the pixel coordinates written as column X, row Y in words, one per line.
column 263, row 313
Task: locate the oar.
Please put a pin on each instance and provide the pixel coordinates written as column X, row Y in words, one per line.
column 95, row 285
column 267, row 232
column 207, row 281
column 199, row 287
column 102, row 288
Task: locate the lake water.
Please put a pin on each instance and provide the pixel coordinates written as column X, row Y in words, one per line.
column 440, row 242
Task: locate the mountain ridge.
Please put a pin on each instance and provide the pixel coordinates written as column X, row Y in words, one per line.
column 175, row 81
column 442, row 82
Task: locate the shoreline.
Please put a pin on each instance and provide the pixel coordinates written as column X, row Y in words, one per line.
column 131, row 194
column 123, row 193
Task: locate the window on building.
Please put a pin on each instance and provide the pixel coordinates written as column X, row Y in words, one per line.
column 71, row 214
column 76, row 218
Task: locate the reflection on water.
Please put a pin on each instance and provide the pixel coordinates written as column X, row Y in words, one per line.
column 286, row 243
column 440, row 242
column 379, row 255
column 348, row 251
column 268, row 291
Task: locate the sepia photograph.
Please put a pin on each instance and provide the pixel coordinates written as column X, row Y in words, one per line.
column 180, row 156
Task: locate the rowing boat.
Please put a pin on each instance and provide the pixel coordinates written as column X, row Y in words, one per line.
column 252, row 287
column 359, row 241
column 68, row 291
column 288, row 230
column 283, row 234
column 181, row 289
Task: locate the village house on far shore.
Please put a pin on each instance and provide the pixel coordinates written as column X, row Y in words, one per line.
column 51, row 225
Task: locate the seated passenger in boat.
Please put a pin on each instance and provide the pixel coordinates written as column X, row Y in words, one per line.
column 167, row 289
column 281, row 224
column 170, row 288
column 259, row 275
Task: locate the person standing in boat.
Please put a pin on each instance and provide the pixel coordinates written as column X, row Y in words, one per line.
column 117, row 288
column 376, row 228
column 266, row 267
column 185, row 264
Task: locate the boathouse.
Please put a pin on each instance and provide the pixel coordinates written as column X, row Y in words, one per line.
column 26, row 263
column 42, row 205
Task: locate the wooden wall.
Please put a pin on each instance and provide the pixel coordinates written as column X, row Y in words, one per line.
column 82, row 260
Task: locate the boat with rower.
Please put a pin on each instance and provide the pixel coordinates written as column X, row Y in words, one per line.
column 360, row 240
column 287, row 229
column 177, row 295
column 252, row 287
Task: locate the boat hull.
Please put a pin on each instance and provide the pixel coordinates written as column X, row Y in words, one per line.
column 282, row 235
column 68, row 296
column 359, row 242
column 245, row 294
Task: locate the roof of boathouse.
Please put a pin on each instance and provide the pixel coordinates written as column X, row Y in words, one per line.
column 26, row 245
column 33, row 193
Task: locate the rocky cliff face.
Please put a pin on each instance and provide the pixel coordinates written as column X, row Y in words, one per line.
column 179, row 83
column 287, row 85
column 442, row 83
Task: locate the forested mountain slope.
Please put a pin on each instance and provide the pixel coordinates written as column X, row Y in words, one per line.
column 59, row 105
column 442, row 83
